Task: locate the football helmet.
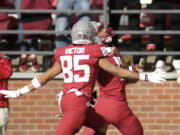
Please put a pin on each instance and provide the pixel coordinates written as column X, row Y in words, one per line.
column 97, row 25
column 106, row 35
column 83, row 33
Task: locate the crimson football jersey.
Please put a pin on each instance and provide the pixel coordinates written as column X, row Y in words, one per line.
column 5, row 73
column 80, row 65
column 111, row 86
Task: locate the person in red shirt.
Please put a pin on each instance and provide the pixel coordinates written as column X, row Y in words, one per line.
column 111, row 102
column 7, row 22
column 32, row 21
column 79, row 62
column 5, row 73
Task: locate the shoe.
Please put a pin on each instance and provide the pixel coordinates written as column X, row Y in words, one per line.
column 35, row 67
column 176, row 65
column 160, row 66
column 23, row 64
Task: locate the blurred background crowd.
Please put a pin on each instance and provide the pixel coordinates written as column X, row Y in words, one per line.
column 62, row 21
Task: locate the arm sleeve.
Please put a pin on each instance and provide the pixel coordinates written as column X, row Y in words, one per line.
column 99, row 50
column 5, row 68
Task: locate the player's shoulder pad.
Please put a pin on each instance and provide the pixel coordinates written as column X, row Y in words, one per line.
column 104, row 50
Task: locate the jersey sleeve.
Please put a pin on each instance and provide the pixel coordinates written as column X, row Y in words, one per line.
column 101, row 51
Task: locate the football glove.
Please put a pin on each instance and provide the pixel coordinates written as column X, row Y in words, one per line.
column 153, row 77
column 10, row 94
column 15, row 93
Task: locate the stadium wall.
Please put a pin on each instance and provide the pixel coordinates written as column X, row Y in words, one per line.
column 156, row 105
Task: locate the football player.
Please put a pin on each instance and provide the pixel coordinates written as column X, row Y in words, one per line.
column 112, row 102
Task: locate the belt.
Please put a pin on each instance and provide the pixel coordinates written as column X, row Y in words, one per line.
column 76, row 92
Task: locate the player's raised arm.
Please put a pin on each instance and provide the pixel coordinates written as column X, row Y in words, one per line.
column 123, row 73
column 35, row 83
column 126, row 74
column 48, row 75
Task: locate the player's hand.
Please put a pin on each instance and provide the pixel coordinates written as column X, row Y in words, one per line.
column 15, row 93
column 154, row 77
column 10, row 94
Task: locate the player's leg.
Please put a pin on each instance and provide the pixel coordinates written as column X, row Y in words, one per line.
column 130, row 126
column 119, row 114
column 95, row 124
column 70, row 123
column 90, row 131
column 74, row 114
column 3, row 120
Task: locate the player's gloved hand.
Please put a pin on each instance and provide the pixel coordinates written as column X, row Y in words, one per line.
column 10, row 94
column 154, row 77
column 15, row 93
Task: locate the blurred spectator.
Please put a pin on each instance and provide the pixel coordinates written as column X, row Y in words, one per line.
column 5, row 73
column 7, row 22
column 146, row 23
column 133, row 23
column 32, row 21
column 54, row 3
column 6, row 3
column 97, row 5
column 161, row 24
column 63, row 19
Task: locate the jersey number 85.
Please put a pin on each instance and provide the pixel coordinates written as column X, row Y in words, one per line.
column 71, row 64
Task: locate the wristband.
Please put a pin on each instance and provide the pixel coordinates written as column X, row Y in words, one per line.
column 35, row 82
column 23, row 90
column 143, row 77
